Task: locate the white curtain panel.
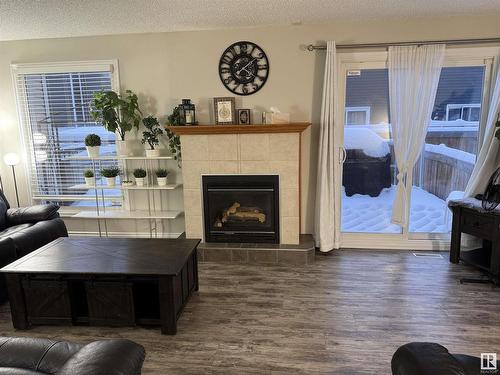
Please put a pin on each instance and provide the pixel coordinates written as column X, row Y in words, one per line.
column 413, row 79
column 487, row 160
column 325, row 236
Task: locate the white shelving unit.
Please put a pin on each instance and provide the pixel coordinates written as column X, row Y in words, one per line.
column 127, row 215
column 121, row 187
column 103, row 212
column 116, row 157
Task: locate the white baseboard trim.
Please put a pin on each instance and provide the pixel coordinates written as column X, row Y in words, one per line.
column 124, row 234
column 384, row 242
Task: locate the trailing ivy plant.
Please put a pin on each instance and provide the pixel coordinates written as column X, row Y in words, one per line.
column 174, row 141
column 151, row 136
column 117, row 113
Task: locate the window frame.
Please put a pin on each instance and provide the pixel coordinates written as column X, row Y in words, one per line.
column 18, row 69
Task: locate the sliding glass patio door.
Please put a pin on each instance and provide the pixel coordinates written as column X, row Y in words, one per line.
column 366, row 187
column 451, row 145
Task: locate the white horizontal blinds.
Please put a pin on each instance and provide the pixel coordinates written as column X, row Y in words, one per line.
column 54, row 110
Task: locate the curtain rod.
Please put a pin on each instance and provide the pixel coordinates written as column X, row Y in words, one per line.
column 312, row 47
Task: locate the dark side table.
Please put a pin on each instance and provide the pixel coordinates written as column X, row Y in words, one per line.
column 469, row 217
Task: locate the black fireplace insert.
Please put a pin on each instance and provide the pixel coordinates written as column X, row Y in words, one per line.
column 241, row 208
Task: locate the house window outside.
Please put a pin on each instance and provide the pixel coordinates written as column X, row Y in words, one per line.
column 466, row 112
column 357, row 115
column 53, row 102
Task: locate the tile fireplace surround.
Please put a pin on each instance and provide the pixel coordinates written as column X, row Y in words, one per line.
column 245, row 149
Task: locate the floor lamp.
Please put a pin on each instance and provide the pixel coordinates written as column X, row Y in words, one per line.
column 12, row 159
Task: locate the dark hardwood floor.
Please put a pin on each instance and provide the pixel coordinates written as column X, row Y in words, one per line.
column 346, row 314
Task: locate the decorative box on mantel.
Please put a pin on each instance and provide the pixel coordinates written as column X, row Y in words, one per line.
column 243, row 150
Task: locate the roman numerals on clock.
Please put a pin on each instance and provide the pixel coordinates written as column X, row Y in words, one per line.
column 243, row 68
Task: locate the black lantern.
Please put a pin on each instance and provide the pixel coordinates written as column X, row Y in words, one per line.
column 187, row 112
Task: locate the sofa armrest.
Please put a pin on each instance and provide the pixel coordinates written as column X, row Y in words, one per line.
column 424, row 358
column 32, row 214
column 106, row 357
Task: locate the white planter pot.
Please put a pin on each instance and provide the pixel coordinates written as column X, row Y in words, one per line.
column 139, row 181
column 127, row 184
column 162, row 181
column 90, row 181
column 123, row 148
column 111, row 181
column 152, row 153
column 93, row 151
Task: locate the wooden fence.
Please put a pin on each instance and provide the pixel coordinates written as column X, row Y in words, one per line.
column 442, row 174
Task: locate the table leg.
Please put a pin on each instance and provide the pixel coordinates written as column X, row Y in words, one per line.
column 16, row 300
column 195, row 268
column 168, row 314
column 456, row 236
column 495, row 252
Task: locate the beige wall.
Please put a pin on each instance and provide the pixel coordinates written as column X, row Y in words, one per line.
column 165, row 67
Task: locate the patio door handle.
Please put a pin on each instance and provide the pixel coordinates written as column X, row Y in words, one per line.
column 343, row 155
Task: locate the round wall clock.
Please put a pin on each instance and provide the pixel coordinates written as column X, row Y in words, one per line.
column 243, row 68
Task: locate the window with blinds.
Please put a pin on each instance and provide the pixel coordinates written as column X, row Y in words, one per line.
column 54, row 112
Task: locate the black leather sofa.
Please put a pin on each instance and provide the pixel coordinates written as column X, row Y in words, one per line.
column 426, row 358
column 29, row 356
column 25, row 229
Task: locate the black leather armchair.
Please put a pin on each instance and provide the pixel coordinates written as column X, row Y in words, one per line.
column 40, row 356
column 25, row 229
column 427, row 358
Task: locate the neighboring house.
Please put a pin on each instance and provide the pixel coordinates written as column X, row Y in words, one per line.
column 458, row 97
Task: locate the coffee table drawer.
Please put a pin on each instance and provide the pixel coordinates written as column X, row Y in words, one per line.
column 110, row 303
column 47, row 301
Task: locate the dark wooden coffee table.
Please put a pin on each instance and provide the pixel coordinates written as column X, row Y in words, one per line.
column 103, row 281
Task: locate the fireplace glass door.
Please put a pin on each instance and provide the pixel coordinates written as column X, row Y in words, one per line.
column 241, row 208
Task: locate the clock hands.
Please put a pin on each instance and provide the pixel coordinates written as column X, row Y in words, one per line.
column 245, row 68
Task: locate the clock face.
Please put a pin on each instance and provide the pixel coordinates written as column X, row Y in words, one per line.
column 243, row 68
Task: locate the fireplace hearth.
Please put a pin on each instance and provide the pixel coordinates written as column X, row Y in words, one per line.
column 241, row 208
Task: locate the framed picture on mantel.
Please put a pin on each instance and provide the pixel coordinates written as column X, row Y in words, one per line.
column 224, row 111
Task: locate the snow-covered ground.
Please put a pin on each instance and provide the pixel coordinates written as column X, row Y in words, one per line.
column 362, row 213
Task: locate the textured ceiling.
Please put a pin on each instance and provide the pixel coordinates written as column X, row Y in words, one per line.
column 29, row 19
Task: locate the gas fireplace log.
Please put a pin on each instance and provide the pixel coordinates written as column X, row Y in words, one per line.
column 249, row 215
column 233, row 208
column 242, row 214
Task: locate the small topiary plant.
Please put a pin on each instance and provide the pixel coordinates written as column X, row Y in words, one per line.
column 110, row 172
column 92, row 140
column 160, row 172
column 139, row 173
column 88, row 173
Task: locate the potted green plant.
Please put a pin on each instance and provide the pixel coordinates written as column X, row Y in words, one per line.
column 89, row 177
column 93, row 145
column 139, row 175
column 151, row 135
column 110, row 175
column 118, row 114
column 161, row 176
column 127, row 183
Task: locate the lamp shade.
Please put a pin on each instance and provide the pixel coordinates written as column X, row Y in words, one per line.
column 11, row 159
